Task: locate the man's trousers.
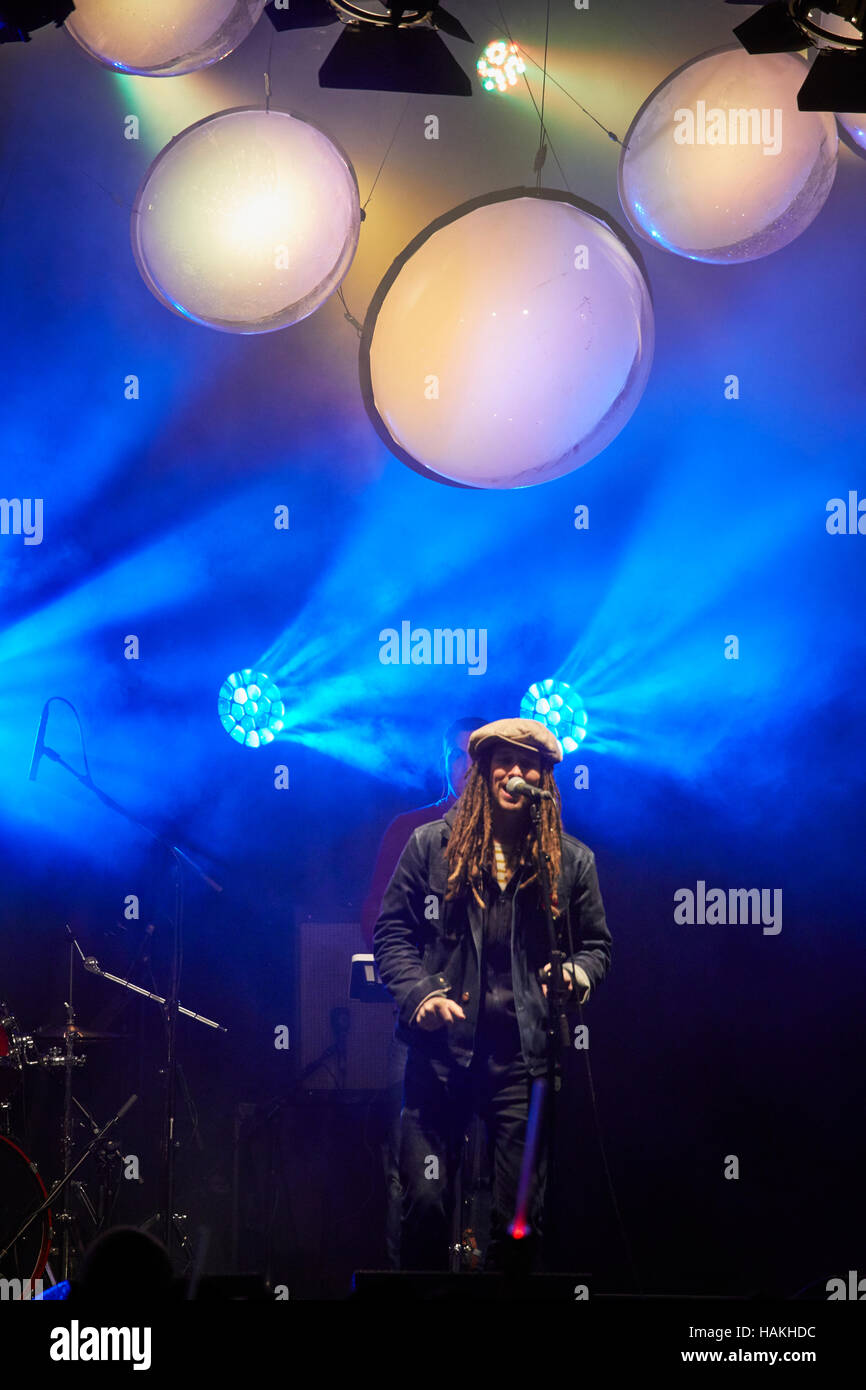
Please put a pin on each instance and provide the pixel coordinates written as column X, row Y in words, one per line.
column 438, row 1102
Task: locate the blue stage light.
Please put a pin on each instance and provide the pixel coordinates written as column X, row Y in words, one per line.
column 251, row 708
column 559, row 708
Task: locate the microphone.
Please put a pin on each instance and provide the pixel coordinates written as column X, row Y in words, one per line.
column 517, row 787
column 39, row 746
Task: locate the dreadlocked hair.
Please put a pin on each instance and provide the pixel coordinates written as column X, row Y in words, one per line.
column 470, row 848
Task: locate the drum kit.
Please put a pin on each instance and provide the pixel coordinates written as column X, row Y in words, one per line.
column 29, row 1236
column 35, row 1223
column 18, row 1052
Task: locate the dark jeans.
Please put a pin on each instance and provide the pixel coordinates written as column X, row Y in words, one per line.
column 437, row 1106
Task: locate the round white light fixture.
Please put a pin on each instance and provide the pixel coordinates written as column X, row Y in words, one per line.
column 719, row 163
column 854, row 125
column 246, row 221
column 509, row 343
column 161, row 38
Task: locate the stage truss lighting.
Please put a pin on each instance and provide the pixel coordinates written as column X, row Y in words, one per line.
column 837, row 78
column 389, row 48
column 251, row 708
column 560, row 709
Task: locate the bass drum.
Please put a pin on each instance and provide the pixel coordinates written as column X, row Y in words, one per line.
column 21, row 1192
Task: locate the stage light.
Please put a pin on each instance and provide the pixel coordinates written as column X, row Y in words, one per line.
column 162, row 38
column 251, row 708
column 854, row 126
column 500, row 66
column 837, row 79
column 509, row 343
column 395, row 48
column 19, row 18
column 719, row 165
column 246, row 221
column 559, row 708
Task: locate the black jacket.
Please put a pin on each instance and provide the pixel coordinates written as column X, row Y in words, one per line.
column 424, row 945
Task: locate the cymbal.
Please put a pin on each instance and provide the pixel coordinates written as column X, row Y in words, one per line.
column 78, row 1034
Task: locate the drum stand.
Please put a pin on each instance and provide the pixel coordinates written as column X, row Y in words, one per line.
column 63, row 1183
column 172, row 1008
column 65, row 1219
column 170, row 1221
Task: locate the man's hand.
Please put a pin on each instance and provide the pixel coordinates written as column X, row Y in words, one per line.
column 435, row 1013
column 571, row 972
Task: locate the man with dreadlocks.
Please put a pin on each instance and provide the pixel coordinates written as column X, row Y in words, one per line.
column 462, row 944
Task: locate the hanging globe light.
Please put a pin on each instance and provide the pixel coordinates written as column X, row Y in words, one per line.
column 854, row 125
column 719, row 163
column 509, row 343
column 246, row 221
column 161, row 38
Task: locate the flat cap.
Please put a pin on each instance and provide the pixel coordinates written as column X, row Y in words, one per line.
column 523, row 733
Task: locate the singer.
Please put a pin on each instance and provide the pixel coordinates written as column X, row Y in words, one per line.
column 461, row 942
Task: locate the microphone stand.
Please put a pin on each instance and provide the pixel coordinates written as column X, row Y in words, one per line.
column 543, row 1088
column 180, row 858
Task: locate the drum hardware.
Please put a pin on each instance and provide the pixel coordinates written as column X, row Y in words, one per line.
column 180, row 860
column 108, row 1156
column 78, row 1034
column 66, row 1059
column 31, row 1244
column 69, row 1060
column 63, row 1218
column 56, row 1057
column 17, row 1051
column 169, row 1229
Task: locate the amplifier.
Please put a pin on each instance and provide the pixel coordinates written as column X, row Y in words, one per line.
column 328, row 1016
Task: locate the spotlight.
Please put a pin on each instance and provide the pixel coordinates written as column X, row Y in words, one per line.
column 18, row 20
column 559, row 708
column 395, row 48
column 499, row 66
column 251, row 708
column 837, row 80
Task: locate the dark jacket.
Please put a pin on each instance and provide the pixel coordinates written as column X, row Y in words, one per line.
column 424, row 944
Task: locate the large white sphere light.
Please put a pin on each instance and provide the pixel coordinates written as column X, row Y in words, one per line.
column 704, row 177
column 161, row 38
column 509, row 343
column 246, row 221
column 854, row 125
